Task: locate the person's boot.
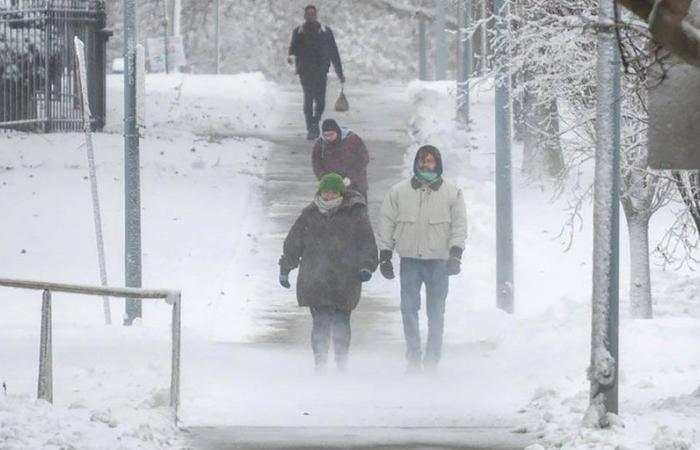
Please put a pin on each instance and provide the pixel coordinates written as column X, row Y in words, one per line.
column 413, row 366
column 315, row 127
column 320, row 362
column 310, row 134
column 342, row 364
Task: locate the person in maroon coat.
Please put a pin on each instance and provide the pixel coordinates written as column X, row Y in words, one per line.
column 342, row 152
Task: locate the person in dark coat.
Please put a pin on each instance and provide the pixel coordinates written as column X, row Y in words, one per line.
column 333, row 245
column 341, row 151
column 312, row 50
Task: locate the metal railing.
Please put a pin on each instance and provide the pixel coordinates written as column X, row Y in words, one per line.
column 45, row 382
column 38, row 84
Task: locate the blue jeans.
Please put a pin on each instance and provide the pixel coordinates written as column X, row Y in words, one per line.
column 414, row 273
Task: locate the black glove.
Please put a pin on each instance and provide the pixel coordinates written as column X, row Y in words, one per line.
column 342, row 79
column 385, row 265
column 284, row 280
column 455, row 261
column 365, row 275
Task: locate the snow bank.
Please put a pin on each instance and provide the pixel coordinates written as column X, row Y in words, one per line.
column 543, row 350
column 34, row 424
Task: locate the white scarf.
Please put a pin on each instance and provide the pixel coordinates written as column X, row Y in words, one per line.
column 328, row 207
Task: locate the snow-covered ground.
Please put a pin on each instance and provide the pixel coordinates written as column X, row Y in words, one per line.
column 200, row 200
column 202, row 215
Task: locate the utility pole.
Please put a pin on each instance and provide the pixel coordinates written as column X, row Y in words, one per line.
column 132, row 203
column 216, row 34
column 422, row 50
column 463, row 84
column 606, row 225
column 504, row 200
column 440, row 41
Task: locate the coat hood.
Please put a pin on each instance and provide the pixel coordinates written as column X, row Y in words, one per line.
column 436, row 154
column 345, row 132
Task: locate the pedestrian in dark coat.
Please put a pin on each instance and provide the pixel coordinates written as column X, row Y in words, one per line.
column 312, row 50
column 342, row 152
column 333, row 245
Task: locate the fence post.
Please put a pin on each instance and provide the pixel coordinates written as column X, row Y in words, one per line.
column 45, row 385
column 176, row 301
column 47, row 70
column 98, row 72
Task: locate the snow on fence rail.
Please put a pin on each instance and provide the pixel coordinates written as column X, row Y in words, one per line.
column 45, row 383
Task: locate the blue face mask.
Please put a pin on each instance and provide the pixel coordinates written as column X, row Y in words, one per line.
column 428, row 176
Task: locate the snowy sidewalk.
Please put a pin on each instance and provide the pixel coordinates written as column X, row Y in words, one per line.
column 266, row 395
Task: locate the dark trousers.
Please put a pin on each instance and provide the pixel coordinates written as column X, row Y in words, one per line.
column 327, row 321
column 414, row 273
column 314, row 100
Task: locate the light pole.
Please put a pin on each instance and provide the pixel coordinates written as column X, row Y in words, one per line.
column 606, row 224
column 132, row 203
column 504, row 200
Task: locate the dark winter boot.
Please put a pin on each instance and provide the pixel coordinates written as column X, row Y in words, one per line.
column 315, row 127
column 320, row 363
column 310, row 134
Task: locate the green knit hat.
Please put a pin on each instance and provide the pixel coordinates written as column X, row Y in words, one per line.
column 332, row 182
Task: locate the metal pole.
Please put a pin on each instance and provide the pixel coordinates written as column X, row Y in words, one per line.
column 504, row 201
column 175, row 362
column 92, row 172
column 463, row 85
column 216, row 34
column 132, row 209
column 45, row 385
column 422, row 50
column 606, row 217
column 440, row 41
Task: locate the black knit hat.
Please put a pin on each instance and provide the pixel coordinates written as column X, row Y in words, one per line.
column 330, row 125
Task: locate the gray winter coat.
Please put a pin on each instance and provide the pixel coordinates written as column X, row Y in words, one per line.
column 330, row 250
column 423, row 221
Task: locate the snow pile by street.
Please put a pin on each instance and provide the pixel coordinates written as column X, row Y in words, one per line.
column 544, row 349
column 26, row 423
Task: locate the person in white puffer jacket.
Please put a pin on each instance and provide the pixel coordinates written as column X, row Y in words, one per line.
column 424, row 219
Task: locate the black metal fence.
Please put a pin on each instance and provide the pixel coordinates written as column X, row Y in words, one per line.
column 39, row 86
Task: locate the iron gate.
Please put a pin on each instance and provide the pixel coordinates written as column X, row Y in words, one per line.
column 39, row 87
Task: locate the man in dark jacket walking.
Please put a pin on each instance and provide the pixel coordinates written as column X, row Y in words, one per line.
column 333, row 245
column 313, row 49
column 341, row 151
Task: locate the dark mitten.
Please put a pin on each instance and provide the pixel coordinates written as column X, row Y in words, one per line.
column 365, row 275
column 385, row 266
column 284, row 280
column 455, row 261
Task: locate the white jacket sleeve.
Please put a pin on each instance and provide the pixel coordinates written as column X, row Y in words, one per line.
column 458, row 229
column 387, row 221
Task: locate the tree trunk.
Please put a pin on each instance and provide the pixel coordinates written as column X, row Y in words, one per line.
column 640, row 278
column 542, row 153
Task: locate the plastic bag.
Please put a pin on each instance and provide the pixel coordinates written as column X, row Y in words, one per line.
column 342, row 105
